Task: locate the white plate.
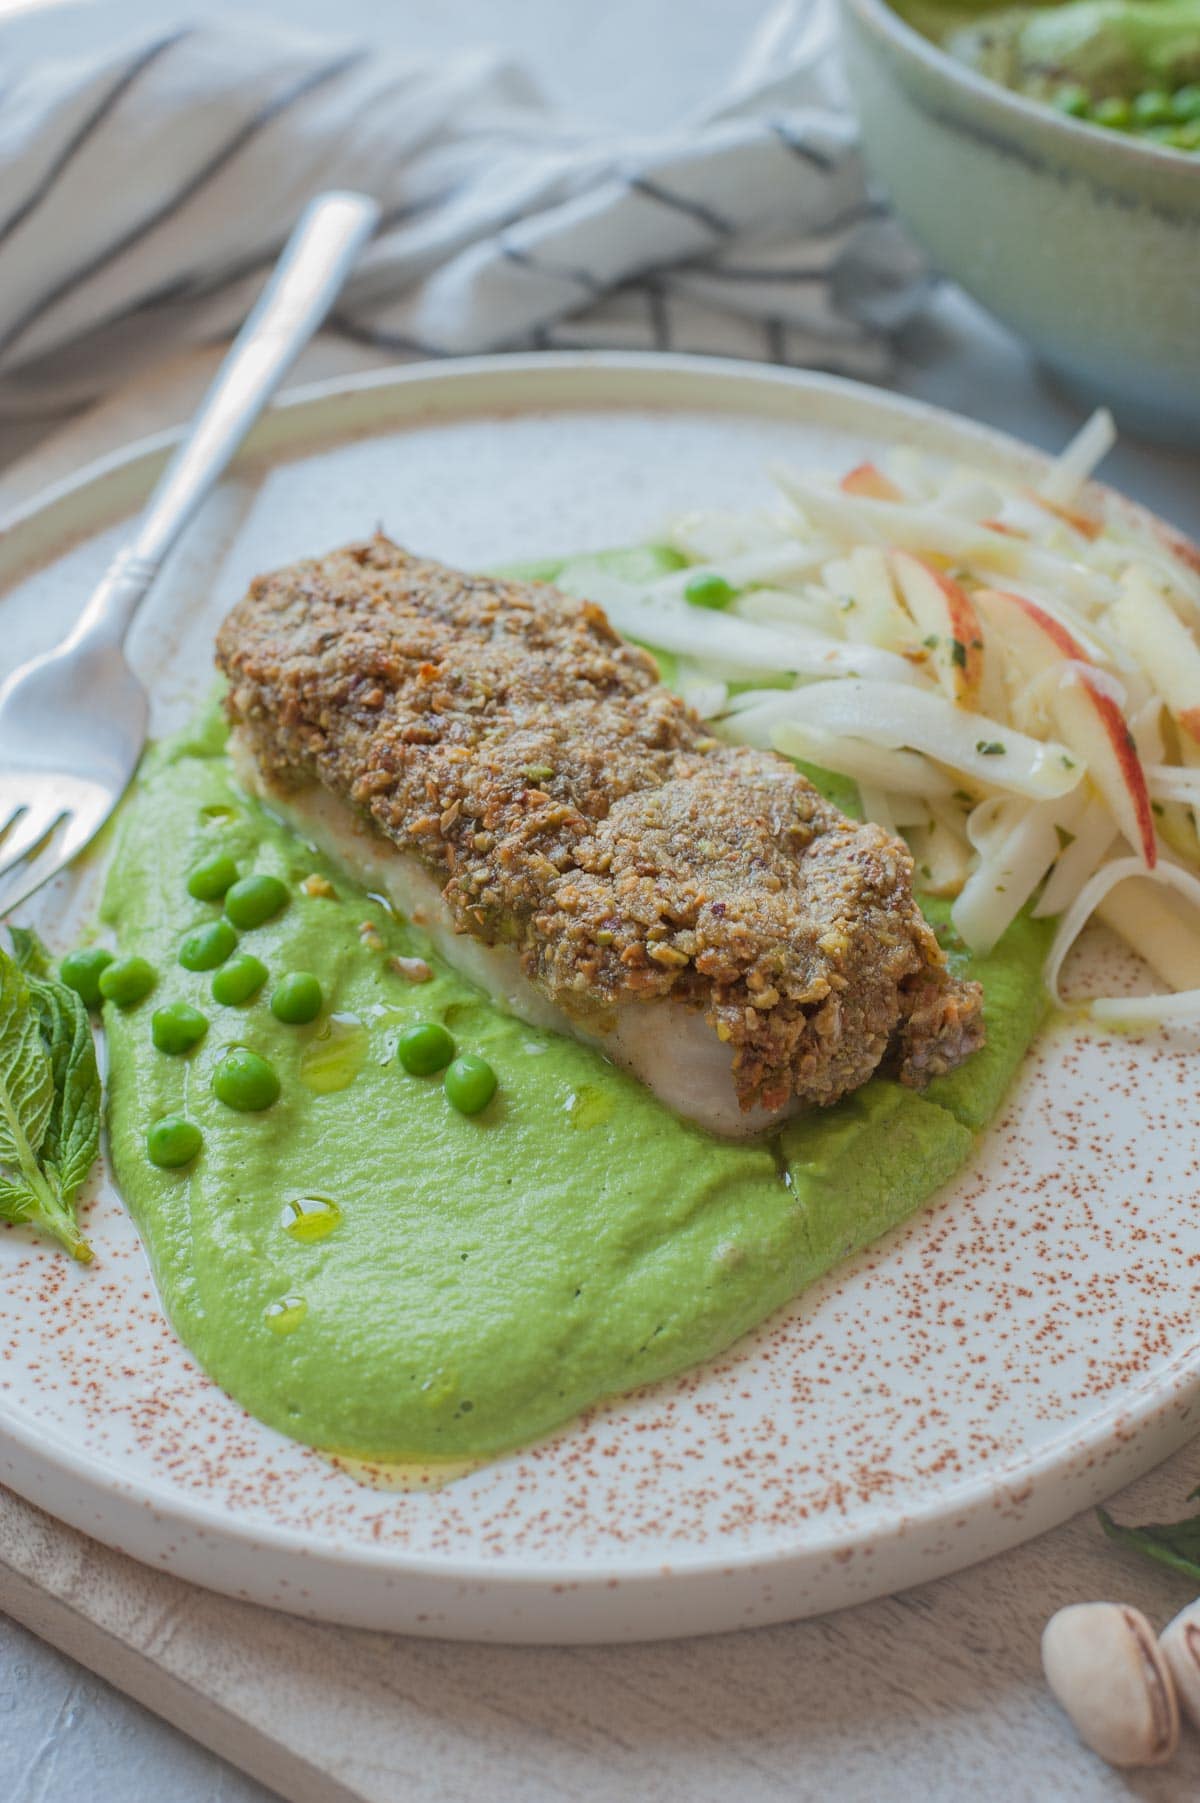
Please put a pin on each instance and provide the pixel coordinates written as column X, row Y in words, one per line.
column 1021, row 1348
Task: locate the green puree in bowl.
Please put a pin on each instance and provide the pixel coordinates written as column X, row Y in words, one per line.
column 371, row 1271
column 1130, row 65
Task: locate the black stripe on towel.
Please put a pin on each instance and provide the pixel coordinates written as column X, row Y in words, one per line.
column 818, row 159
column 380, row 340
column 197, row 285
column 660, row 316
column 559, row 272
column 85, row 129
column 723, row 272
column 694, row 209
column 858, row 214
column 244, row 135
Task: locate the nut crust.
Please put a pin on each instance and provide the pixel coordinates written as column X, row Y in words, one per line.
column 571, row 805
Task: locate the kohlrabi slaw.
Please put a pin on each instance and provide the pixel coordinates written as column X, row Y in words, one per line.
column 1009, row 672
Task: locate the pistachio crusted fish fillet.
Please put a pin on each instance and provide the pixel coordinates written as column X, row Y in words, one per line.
column 580, row 843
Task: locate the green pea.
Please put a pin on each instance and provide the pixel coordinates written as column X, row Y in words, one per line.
column 127, row 981
column 238, row 980
column 470, row 1084
column 1185, row 103
column 1073, row 98
column 253, row 899
column 1114, row 111
column 297, row 998
column 173, row 1141
column 209, row 880
column 245, row 1081
column 709, row 591
column 424, row 1048
column 1152, row 107
column 81, row 970
column 177, row 1027
column 207, row 946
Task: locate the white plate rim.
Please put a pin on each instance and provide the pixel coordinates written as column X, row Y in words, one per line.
column 554, row 381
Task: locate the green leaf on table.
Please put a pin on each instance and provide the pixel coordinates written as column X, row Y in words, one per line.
column 1174, row 1543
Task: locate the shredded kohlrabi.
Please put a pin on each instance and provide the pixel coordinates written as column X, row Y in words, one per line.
column 1038, row 745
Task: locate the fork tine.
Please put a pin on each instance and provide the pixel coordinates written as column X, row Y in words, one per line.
column 32, row 874
column 79, row 827
column 27, row 835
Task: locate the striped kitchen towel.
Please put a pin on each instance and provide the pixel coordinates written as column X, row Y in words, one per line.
column 145, row 192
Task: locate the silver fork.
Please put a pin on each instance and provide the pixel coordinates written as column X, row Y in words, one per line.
column 73, row 722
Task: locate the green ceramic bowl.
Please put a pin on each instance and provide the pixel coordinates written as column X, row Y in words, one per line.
column 1083, row 240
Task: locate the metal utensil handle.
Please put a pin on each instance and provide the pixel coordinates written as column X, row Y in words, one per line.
column 304, row 284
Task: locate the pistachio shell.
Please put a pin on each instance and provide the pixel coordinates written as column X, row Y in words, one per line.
column 1180, row 1644
column 1104, row 1666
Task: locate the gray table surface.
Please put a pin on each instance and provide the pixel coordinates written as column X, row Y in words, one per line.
column 65, row 1733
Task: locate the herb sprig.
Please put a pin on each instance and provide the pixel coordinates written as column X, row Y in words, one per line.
column 49, row 1096
column 1174, row 1543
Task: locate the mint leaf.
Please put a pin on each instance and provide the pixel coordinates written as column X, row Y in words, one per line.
column 73, row 1131
column 35, row 1204
column 26, row 1075
column 29, row 954
column 16, row 1202
column 49, row 1105
column 1174, row 1543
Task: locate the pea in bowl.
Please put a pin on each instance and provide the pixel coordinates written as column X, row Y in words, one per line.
column 1083, row 238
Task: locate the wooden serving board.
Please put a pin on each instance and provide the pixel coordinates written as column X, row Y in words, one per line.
column 914, row 1696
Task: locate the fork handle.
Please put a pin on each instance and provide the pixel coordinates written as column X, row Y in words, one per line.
column 304, row 284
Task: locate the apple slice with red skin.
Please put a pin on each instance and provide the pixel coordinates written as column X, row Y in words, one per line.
column 947, row 622
column 868, row 480
column 1033, row 638
column 1086, row 718
column 1163, row 646
column 1091, row 724
column 1084, row 523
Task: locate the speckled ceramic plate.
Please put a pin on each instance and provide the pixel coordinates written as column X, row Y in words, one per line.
column 1023, row 1346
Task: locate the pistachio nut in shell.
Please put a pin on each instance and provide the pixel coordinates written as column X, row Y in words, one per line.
column 1180, row 1645
column 1103, row 1664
